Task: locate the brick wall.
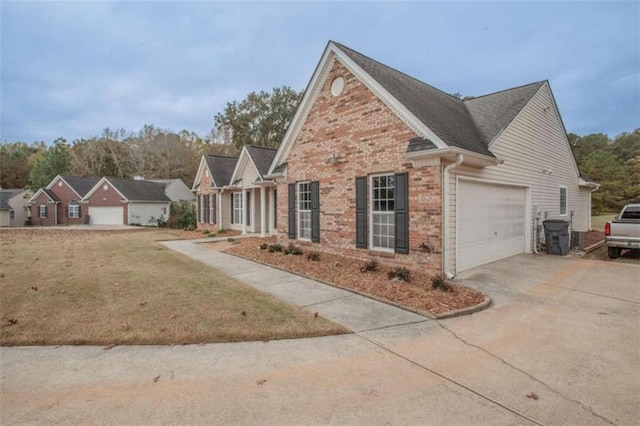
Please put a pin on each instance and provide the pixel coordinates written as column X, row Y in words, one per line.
column 206, row 188
column 35, row 211
column 66, row 195
column 108, row 198
column 368, row 138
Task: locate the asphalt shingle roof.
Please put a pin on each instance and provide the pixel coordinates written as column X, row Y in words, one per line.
column 51, row 194
column 492, row 113
column 140, row 190
column 444, row 114
column 221, row 168
column 262, row 157
column 5, row 195
column 82, row 185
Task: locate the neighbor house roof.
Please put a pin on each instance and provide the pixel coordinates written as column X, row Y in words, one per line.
column 81, row 185
column 262, row 157
column 139, row 190
column 444, row 114
column 221, row 168
column 6, row 195
column 492, row 113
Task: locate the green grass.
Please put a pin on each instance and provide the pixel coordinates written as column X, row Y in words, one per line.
column 103, row 288
column 597, row 222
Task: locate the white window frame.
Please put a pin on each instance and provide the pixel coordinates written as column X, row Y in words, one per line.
column 390, row 214
column 304, row 209
column 211, row 209
column 12, row 214
column 566, row 200
column 75, row 210
column 201, row 218
column 237, row 208
column 42, row 211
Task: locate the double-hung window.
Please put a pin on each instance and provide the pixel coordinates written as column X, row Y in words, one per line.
column 43, row 211
column 304, row 210
column 74, row 209
column 237, row 208
column 382, row 199
column 563, row 201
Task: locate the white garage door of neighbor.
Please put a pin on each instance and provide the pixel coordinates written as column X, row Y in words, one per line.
column 106, row 215
column 491, row 223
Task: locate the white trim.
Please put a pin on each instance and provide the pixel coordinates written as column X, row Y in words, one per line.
column 419, row 158
column 528, row 218
column 46, row 211
column 203, row 164
column 241, row 165
column 330, row 54
column 370, row 211
column 98, row 185
column 298, row 211
column 566, row 200
column 51, row 184
column 38, row 192
column 76, row 207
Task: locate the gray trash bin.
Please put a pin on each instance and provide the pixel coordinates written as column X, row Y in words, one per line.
column 556, row 233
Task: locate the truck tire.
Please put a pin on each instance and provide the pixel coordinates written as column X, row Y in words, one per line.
column 614, row 252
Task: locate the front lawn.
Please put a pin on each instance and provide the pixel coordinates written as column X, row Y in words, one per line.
column 60, row 286
column 597, row 222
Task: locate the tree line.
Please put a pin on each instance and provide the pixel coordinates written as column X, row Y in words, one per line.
column 262, row 119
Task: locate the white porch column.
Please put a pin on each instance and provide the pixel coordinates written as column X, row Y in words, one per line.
column 219, row 210
column 244, row 211
column 263, row 211
column 272, row 210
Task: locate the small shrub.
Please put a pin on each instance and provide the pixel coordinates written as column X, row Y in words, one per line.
column 370, row 266
column 231, row 240
column 313, row 256
column 400, row 273
column 275, row 247
column 28, row 222
column 264, row 246
column 292, row 249
column 222, row 231
column 439, row 282
column 206, row 232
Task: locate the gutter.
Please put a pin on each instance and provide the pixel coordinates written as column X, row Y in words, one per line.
column 445, row 230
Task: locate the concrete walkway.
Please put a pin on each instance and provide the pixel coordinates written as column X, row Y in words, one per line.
column 356, row 312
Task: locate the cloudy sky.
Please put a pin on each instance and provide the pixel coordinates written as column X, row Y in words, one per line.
column 70, row 69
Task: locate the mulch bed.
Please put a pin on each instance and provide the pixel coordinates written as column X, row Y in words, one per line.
column 345, row 272
column 592, row 237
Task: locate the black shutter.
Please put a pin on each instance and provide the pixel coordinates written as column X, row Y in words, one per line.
column 198, row 212
column 401, row 216
column 214, row 200
column 67, row 211
column 232, row 201
column 361, row 212
column 292, row 210
column 46, row 211
column 275, row 208
column 315, row 211
column 79, row 211
column 248, row 208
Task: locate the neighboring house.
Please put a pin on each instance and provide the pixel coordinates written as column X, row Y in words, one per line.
column 214, row 173
column 61, row 201
column 233, row 193
column 114, row 201
column 376, row 164
column 14, row 207
column 176, row 189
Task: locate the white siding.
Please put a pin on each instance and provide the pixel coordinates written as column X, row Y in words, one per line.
column 142, row 213
column 535, row 154
column 176, row 190
column 4, row 218
column 249, row 174
column 225, row 208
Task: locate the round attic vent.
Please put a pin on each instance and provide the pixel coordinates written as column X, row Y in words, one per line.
column 105, row 187
column 337, row 86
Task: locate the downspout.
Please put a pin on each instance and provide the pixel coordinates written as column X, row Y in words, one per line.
column 446, row 214
column 590, row 198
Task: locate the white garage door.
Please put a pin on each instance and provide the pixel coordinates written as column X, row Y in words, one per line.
column 106, row 215
column 491, row 223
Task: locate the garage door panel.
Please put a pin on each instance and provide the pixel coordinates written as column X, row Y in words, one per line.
column 491, row 223
column 106, row 215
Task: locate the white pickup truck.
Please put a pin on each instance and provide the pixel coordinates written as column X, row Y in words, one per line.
column 623, row 232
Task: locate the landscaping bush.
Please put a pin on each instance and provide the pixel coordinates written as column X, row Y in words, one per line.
column 370, row 266
column 313, row 256
column 400, row 273
column 275, row 247
column 185, row 215
column 292, row 249
column 439, row 282
column 264, row 246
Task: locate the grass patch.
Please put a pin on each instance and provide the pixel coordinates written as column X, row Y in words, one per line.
column 597, row 222
column 114, row 288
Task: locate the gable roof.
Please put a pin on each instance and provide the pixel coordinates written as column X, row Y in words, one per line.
column 444, row 114
column 49, row 193
column 262, row 157
column 492, row 113
column 134, row 190
column 6, row 195
column 80, row 185
column 221, row 168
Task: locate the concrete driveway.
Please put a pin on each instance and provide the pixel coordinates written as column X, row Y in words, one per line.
column 562, row 330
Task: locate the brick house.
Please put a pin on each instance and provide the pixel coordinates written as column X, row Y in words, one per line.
column 233, row 193
column 61, row 201
column 376, row 164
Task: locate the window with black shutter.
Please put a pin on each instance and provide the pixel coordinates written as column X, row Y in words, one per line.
column 361, row 212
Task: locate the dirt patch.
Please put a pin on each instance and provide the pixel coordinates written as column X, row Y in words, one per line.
column 627, row 256
column 347, row 273
column 592, row 237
